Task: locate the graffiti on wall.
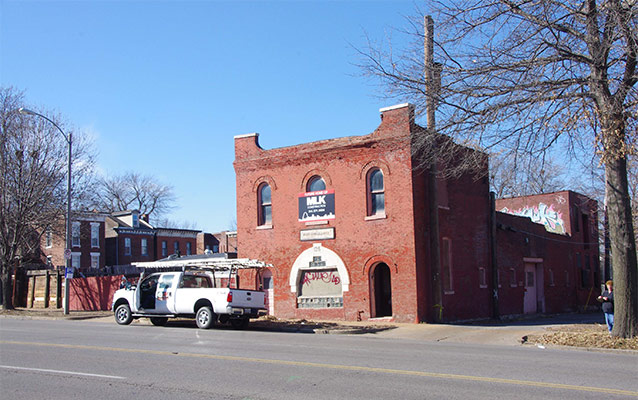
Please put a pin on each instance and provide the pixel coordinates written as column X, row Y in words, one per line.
column 541, row 214
column 320, row 283
column 324, row 276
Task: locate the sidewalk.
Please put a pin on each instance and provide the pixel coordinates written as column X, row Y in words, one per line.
column 484, row 332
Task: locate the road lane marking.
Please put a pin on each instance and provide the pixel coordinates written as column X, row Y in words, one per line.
column 337, row 367
column 55, row 371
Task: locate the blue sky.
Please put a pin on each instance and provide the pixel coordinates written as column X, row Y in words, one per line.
column 164, row 86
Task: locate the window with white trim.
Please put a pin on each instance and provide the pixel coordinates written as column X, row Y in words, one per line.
column 75, row 260
column 265, row 205
column 95, row 235
column 144, row 243
column 95, row 260
column 75, row 234
column 164, row 248
column 376, row 192
column 127, row 246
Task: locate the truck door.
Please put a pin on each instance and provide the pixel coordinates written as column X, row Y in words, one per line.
column 145, row 292
column 165, row 294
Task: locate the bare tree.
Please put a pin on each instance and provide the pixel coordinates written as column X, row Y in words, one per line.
column 174, row 224
column 33, row 161
column 133, row 190
column 529, row 75
column 522, row 175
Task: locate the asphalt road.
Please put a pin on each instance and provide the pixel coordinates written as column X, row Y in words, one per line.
column 61, row 359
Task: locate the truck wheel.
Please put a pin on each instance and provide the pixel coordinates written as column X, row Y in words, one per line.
column 123, row 314
column 239, row 323
column 159, row 321
column 205, row 318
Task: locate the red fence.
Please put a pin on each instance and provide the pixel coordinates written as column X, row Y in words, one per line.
column 94, row 293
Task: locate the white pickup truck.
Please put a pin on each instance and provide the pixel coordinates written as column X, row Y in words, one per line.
column 188, row 293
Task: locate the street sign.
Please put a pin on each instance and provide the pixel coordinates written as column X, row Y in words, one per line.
column 68, row 273
column 67, row 254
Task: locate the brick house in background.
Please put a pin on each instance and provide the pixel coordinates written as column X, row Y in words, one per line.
column 345, row 223
column 131, row 238
column 175, row 241
column 222, row 242
column 88, row 243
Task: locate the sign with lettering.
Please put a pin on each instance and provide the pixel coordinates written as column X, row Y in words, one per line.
column 317, row 234
column 317, row 206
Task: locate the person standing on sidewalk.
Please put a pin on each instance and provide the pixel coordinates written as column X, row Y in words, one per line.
column 607, row 298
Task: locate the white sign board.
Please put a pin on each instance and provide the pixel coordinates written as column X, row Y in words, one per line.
column 317, row 234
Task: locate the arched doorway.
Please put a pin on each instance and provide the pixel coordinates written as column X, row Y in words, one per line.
column 382, row 291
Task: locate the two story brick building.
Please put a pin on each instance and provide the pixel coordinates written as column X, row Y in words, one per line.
column 88, row 244
column 131, row 238
column 346, row 225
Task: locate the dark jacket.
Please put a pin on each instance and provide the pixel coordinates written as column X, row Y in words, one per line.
column 608, row 305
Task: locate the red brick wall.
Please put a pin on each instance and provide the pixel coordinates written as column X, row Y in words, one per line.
column 400, row 240
column 519, row 239
column 465, row 222
column 136, row 248
column 579, row 216
column 56, row 251
column 170, row 241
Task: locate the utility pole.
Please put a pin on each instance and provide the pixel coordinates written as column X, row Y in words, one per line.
column 432, row 84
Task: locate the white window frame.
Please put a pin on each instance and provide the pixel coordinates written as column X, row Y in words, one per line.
column 76, row 259
column 127, row 246
column 370, row 193
column 144, row 246
column 75, row 234
column 263, row 205
column 95, row 260
column 95, row 235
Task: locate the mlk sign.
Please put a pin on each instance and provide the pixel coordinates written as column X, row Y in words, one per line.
column 317, row 206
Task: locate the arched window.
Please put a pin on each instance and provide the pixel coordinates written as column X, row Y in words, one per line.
column 376, row 193
column 265, row 205
column 316, row 183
